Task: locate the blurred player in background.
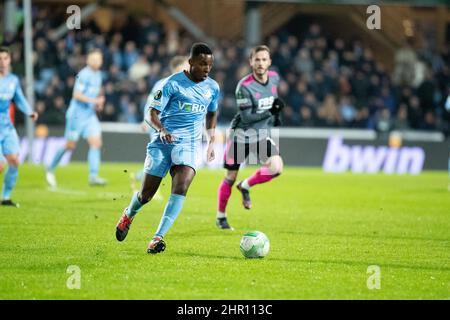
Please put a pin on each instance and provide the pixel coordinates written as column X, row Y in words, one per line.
column 177, row 112
column 82, row 120
column 177, row 64
column 9, row 141
column 259, row 109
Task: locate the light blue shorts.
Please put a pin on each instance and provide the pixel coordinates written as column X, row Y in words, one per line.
column 9, row 142
column 161, row 157
column 76, row 128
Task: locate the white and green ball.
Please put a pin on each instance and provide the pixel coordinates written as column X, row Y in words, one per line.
column 254, row 244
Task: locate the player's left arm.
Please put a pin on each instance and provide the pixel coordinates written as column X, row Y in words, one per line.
column 100, row 100
column 22, row 103
column 211, row 122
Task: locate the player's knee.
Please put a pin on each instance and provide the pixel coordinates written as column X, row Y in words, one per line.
column 13, row 161
column 95, row 143
column 275, row 165
column 180, row 189
column 70, row 145
column 231, row 177
column 2, row 166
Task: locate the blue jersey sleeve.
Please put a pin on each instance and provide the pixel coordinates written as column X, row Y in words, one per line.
column 157, row 86
column 81, row 82
column 161, row 97
column 212, row 107
column 20, row 100
column 447, row 103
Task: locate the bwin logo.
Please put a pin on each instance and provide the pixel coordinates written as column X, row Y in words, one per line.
column 192, row 107
column 371, row 159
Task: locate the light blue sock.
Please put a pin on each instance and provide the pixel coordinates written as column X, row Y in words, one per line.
column 94, row 161
column 173, row 208
column 10, row 181
column 56, row 159
column 135, row 206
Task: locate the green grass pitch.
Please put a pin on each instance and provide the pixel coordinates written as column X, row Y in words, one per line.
column 325, row 231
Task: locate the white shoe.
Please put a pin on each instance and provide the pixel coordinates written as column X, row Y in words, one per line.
column 51, row 179
column 97, row 181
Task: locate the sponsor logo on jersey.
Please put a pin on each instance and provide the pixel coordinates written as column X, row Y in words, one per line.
column 265, row 103
column 191, row 107
column 241, row 99
column 6, row 96
column 158, row 95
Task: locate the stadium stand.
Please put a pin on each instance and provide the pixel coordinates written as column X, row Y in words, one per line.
column 327, row 81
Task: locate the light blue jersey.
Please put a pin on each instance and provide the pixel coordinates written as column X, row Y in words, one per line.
column 81, row 117
column 183, row 105
column 10, row 91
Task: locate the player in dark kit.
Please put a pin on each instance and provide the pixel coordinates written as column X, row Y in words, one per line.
column 259, row 110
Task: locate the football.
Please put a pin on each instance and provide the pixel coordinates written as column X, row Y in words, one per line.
column 254, row 244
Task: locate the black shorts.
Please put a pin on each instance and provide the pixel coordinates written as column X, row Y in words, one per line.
column 257, row 153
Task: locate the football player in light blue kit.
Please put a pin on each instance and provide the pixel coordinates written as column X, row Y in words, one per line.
column 177, row 64
column 9, row 141
column 82, row 120
column 177, row 112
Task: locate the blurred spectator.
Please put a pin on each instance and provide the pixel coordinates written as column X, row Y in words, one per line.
column 401, row 121
column 140, row 69
column 328, row 114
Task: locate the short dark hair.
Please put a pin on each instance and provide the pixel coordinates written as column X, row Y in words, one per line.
column 199, row 48
column 259, row 48
column 5, row 49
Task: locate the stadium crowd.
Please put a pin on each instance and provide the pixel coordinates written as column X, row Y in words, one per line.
column 326, row 82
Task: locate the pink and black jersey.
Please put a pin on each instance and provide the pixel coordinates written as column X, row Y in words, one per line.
column 254, row 100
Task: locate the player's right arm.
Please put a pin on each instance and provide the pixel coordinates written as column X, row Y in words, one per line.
column 245, row 105
column 155, row 122
column 155, row 106
column 81, row 86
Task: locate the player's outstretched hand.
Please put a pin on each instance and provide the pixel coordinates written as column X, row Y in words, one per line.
column 34, row 116
column 210, row 155
column 277, row 106
column 166, row 137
